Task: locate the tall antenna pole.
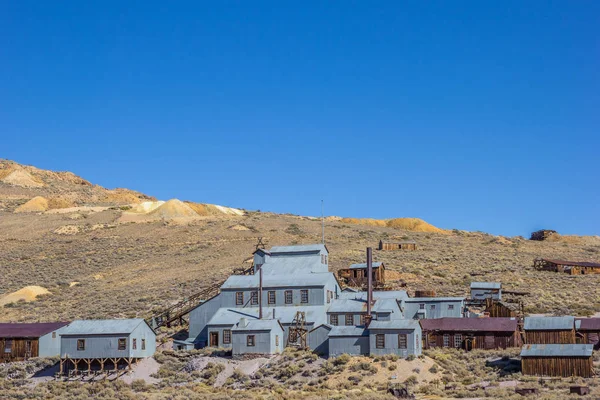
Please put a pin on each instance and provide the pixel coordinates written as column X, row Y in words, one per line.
column 322, row 222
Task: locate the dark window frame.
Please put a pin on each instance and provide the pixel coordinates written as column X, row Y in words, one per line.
column 304, row 296
column 272, row 294
column 226, row 336
column 143, row 344
column 251, row 340
column 334, row 319
column 239, row 298
column 134, row 344
column 402, row 341
column 254, row 298
column 380, row 341
column 289, row 297
column 80, row 344
column 8, row 345
column 349, row 320
column 122, row 344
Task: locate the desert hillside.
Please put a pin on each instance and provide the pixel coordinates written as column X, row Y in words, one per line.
column 130, row 254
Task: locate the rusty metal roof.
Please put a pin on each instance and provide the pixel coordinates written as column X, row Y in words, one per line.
column 574, row 263
column 31, row 330
column 589, row 324
column 470, row 324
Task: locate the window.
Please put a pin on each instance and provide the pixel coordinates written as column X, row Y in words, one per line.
column 134, row 344
column 349, row 319
column 143, row 344
column 446, row 340
column 333, row 319
column 458, row 341
column 122, row 344
column 432, row 307
column 53, row 335
column 421, row 306
column 239, row 298
column 323, row 259
column 288, row 297
column 250, row 341
column 276, row 340
column 380, row 341
column 8, row 346
column 80, row 344
column 272, row 297
column 254, row 298
column 450, row 306
column 402, row 341
column 363, row 319
column 227, row 336
column 304, row 296
column 329, row 296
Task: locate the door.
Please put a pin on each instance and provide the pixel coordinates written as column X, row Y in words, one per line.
column 214, row 339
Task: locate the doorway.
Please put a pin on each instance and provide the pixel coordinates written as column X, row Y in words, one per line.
column 214, row 339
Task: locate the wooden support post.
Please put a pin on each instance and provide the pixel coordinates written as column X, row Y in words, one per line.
column 76, row 364
column 89, row 364
column 60, row 371
column 129, row 364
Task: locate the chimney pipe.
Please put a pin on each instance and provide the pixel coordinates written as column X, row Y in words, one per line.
column 260, row 293
column 369, row 282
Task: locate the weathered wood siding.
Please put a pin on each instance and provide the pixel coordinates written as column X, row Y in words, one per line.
column 397, row 246
column 19, row 349
column 476, row 340
column 358, row 277
column 550, row 337
column 557, row 366
column 589, row 338
column 498, row 310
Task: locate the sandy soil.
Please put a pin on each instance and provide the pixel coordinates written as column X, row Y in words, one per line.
column 143, row 370
column 28, row 293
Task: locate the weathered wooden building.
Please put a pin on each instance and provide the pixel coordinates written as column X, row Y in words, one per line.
column 480, row 291
column 402, row 245
column 470, row 333
column 588, row 331
column 564, row 360
column 500, row 309
column 569, row 267
column 356, row 275
column 100, row 345
column 550, row 330
column 20, row 342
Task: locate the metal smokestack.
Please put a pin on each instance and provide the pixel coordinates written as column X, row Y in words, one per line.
column 369, row 282
column 260, row 292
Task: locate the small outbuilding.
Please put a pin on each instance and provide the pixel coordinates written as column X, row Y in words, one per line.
column 402, row 245
column 564, row 360
column 19, row 342
column 257, row 336
column 569, row 267
column 471, row 333
column 357, row 275
column 549, row 330
column 400, row 336
column 100, row 345
column 486, row 290
column 588, row 331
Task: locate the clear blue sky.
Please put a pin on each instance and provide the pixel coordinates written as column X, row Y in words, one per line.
column 471, row 115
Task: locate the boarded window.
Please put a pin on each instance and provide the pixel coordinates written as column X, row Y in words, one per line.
column 333, row 319
column 250, row 340
column 276, row 340
column 8, row 346
column 227, row 336
column 239, row 298
column 446, row 340
column 380, row 341
column 254, row 298
column 329, row 295
column 421, row 306
column 402, row 341
column 80, row 344
column 304, row 296
column 134, row 344
column 143, row 344
column 450, row 306
column 288, row 297
column 272, row 297
column 349, row 319
column 122, row 344
column 432, row 307
column 458, row 341
column 53, row 335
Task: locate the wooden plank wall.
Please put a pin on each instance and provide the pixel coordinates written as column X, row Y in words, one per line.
column 19, row 347
column 498, row 310
column 557, row 366
column 482, row 340
column 550, row 337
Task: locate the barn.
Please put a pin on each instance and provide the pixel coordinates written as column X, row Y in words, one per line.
column 471, row 333
column 564, row 360
column 22, row 341
column 549, row 330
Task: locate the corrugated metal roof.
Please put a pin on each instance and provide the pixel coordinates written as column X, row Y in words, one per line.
column 432, row 299
column 589, row 324
column 388, row 294
column 102, row 326
column 273, row 281
column 549, row 323
column 302, row 248
column 29, row 330
column 285, row 314
column 290, row 265
column 357, row 302
column 486, row 285
column 348, row 331
column 394, row 324
column 557, row 350
column 574, row 263
column 364, row 265
column 470, row 324
column 348, row 306
column 258, row 325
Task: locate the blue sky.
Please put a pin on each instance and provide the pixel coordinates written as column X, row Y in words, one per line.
column 470, row 115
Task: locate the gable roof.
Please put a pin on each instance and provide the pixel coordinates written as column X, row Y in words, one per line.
column 549, row 323
column 364, row 265
column 258, row 325
column 29, row 330
column 102, row 326
column 348, row 331
column 399, row 241
column 395, row 324
column 302, row 248
column 271, row 281
column 486, row 285
column 573, row 263
column 557, row 350
column 470, row 324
